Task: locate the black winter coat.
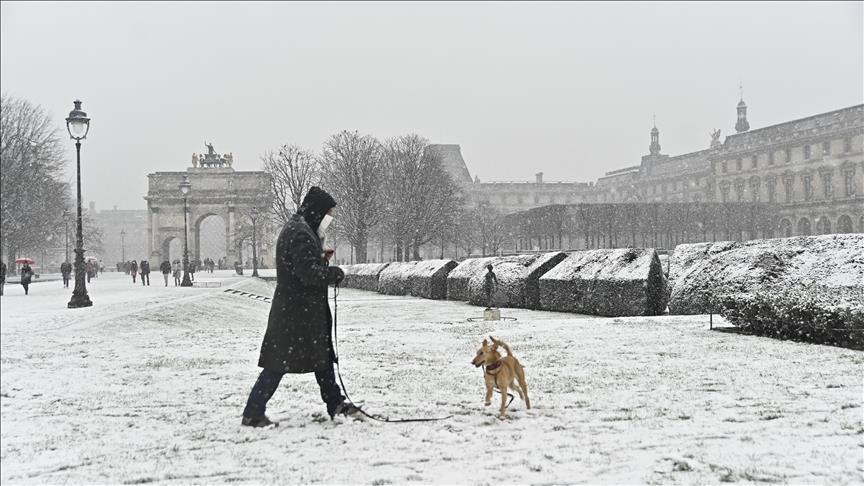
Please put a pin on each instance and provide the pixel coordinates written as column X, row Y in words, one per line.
column 145, row 267
column 298, row 337
column 165, row 267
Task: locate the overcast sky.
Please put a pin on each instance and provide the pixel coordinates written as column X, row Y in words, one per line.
column 564, row 88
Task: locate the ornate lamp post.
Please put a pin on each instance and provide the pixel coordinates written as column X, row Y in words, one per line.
column 66, row 216
column 123, row 245
column 78, row 125
column 254, row 213
column 185, row 186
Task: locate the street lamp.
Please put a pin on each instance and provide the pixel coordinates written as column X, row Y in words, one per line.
column 123, row 245
column 78, row 125
column 254, row 213
column 66, row 216
column 185, row 186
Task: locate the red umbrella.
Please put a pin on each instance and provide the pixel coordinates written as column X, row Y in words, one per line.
column 25, row 260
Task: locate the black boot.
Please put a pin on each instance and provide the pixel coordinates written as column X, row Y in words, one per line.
column 347, row 409
column 261, row 421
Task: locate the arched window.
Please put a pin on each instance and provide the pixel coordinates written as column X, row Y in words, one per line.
column 785, row 228
column 804, row 227
column 844, row 224
column 823, row 226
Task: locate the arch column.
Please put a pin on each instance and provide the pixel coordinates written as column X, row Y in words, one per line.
column 230, row 246
column 154, row 235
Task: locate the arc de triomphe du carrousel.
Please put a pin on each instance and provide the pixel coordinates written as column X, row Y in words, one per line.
column 216, row 190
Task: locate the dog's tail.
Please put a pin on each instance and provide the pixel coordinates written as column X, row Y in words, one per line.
column 502, row 344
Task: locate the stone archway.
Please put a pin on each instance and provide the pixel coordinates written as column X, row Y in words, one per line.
column 804, row 227
column 785, row 228
column 217, row 190
column 823, row 226
column 844, row 224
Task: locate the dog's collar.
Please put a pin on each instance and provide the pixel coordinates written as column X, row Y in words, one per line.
column 494, row 366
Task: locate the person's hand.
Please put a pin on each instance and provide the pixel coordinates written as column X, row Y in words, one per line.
column 336, row 275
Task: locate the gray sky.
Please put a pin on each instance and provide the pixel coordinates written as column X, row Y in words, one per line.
column 564, row 88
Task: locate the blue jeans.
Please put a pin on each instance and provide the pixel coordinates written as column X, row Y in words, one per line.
column 268, row 382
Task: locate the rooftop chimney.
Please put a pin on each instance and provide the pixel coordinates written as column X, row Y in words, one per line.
column 539, row 177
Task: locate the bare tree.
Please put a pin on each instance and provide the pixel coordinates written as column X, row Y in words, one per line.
column 34, row 193
column 293, row 170
column 420, row 196
column 352, row 170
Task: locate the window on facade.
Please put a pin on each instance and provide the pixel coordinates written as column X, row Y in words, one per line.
column 754, row 188
column 724, row 192
column 806, row 152
column 788, row 187
column 788, row 156
column 808, row 187
column 723, row 167
column 826, row 148
column 754, row 162
column 739, row 190
column 827, row 186
column 847, row 144
column 536, row 198
column 771, row 158
column 849, row 182
column 738, row 163
column 771, row 184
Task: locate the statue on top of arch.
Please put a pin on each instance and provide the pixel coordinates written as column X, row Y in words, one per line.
column 211, row 158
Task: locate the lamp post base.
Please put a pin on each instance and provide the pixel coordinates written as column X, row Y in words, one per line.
column 187, row 282
column 79, row 300
column 79, row 295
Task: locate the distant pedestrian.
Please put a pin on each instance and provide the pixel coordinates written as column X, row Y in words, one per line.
column 101, row 267
column 26, row 277
column 88, row 268
column 165, row 267
column 2, row 277
column 178, row 270
column 145, row 273
column 489, row 285
column 133, row 270
column 66, row 270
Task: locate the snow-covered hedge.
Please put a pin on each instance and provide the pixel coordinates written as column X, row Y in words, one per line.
column 362, row 276
column 518, row 280
column 425, row 278
column 608, row 282
column 428, row 278
column 827, row 265
column 796, row 313
column 457, row 280
column 393, row 280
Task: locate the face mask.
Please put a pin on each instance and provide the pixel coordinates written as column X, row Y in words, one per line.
column 322, row 228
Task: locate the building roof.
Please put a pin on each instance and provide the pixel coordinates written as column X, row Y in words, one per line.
column 830, row 122
column 451, row 159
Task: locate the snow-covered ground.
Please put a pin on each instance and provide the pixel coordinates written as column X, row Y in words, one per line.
column 149, row 385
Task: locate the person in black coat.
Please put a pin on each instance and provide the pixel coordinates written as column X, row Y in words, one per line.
column 66, row 270
column 298, row 337
column 165, row 268
column 145, row 273
column 26, row 278
column 2, row 277
column 133, row 269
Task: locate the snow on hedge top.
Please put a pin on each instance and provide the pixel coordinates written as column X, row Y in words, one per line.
column 607, row 264
column 470, row 267
column 686, row 255
column 827, row 260
column 397, row 271
column 516, row 267
column 428, row 268
column 364, row 269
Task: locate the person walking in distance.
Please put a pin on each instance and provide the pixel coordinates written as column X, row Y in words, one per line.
column 178, row 272
column 66, row 271
column 299, row 329
column 2, row 277
column 133, row 270
column 145, row 273
column 26, row 277
column 165, row 268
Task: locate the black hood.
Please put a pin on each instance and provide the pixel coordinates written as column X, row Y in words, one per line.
column 315, row 205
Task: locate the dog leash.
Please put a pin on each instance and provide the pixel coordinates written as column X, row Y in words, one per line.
column 339, row 373
column 497, row 390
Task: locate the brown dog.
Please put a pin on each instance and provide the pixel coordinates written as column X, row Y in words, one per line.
column 501, row 373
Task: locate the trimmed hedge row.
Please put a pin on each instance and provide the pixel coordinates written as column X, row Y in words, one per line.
column 362, row 276
column 827, row 264
column 607, row 282
column 518, row 280
column 798, row 314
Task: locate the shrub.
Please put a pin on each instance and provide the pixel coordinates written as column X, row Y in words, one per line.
column 798, row 314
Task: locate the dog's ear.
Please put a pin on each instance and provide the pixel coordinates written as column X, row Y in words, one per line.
column 485, row 343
